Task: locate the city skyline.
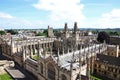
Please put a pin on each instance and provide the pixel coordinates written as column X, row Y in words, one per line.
column 36, row 14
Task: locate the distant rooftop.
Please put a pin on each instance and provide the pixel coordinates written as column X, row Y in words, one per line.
column 109, row 59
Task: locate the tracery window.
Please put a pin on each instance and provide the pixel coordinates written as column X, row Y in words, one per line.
column 41, row 68
column 63, row 77
column 51, row 71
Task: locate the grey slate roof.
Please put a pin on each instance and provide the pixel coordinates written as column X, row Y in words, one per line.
column 65, row 60
column 109, row 59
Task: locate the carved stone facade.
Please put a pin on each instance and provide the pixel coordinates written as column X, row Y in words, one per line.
column 115, row 40
column 108, row 65
column 50, row 32
column 69, row 57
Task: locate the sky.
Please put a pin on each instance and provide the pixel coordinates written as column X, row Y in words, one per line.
column 38, row 14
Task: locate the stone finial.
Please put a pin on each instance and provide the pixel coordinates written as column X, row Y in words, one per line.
column 48, row 26
column 68, row 50
column 50, row 31
column 80, row 63
column 23, row 53
column 58, row 54
column 63, row 51
column 66, row 27
column 75, row 27
column 51, row 51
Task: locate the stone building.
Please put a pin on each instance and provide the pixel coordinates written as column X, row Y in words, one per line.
column 50, row 32
column 113, row 50
column 75, row 37
column 73, row 56
column 115, row 40
column 108, row 64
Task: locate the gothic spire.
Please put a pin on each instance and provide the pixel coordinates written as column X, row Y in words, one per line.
column 63, row 51
column 65, row 28
column 51, row 51
column 23, row 53
column 80, row 62
column 58, row 54
column 38, row 49
column 75, row 27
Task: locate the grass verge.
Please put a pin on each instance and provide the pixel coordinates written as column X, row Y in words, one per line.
column 5, row 76
column 35, row 57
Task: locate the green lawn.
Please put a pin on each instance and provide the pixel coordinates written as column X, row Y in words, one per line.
column 5, row 77
column 95, row 78
column 35, row 57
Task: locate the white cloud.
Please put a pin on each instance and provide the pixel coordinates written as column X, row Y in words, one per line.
column 5, row 15
column 110, row 19
column 62, row 10
column 114, row 15
column 8, row 21
column 16, row 23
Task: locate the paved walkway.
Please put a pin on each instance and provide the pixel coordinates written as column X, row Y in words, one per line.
column 15, row 73
column 28, row 76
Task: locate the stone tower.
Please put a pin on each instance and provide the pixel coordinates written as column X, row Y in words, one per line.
column 75, row 28
column 50, row 31
column 65, row 28
column 66, row 31
column 75, row 32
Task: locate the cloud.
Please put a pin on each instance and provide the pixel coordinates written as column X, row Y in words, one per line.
column 16, row 23
column 110, row 19
column 62, row 10
column 5, row 15
column 114, row 15
column 7, row 21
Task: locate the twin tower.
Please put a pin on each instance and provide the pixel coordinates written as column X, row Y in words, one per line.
column 74, row 33
column 75, row 28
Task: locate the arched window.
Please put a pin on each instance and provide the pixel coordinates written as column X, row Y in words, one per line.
column 41, row 68
column 51, row 71
column 63, row 77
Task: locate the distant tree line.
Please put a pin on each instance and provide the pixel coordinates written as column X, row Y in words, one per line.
column 103, row 36
column 45, row 33
column 13, row 32
column 2, row 32
column 111, row 32
column 114, row 33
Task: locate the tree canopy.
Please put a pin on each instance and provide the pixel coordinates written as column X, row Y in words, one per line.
column 13, row 32
column 45, row 33
column 2, row 32
column 103, row 36
column 114, row 33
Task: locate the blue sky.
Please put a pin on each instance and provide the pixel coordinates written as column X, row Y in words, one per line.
column 23, row 14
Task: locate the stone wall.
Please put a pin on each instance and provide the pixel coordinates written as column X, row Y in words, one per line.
column 113, row 50
column 31, row 66
column 50, row 32
column 115, row 40
column 18, row 58
column 110, row 71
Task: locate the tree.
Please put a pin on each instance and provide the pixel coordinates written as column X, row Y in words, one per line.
column 103, row 36
column 13, row 32
column 113, row 33
column 116, row 33
column 40, row 34
column 55, row 31
column 95, row 31
column 45, row 33
column 2, row 32
column 110, row 33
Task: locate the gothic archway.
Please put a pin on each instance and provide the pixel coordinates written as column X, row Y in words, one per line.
column 51, row 71
column 41, row 68
column 63, row 77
